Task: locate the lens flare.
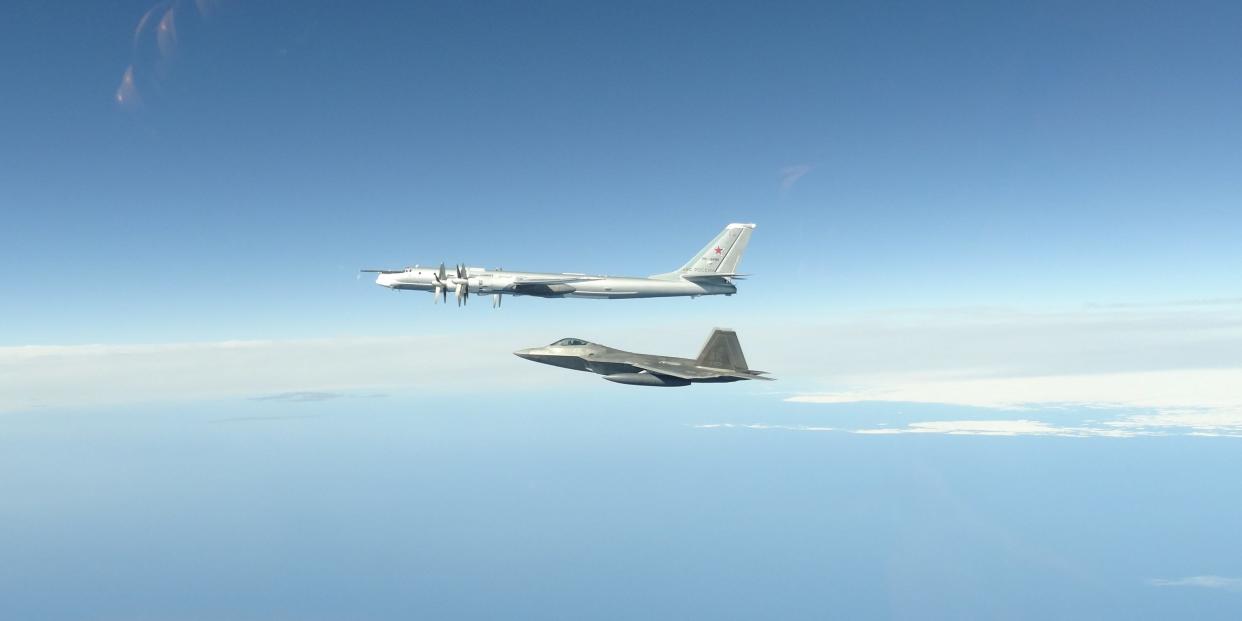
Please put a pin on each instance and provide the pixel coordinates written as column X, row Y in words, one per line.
column 126, row 92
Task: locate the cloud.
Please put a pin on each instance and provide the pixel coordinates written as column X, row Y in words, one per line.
column 1171, row 369
column 791, row 174
column 1019, row 427
column 1136, row 370
column 1133, row 371
column 1205, row 582
column 301, row 396
column 1214, row 389
column 293, row 370
column 761, row 426
column 1203, row 401
column 1169, row 304
column 257, row 419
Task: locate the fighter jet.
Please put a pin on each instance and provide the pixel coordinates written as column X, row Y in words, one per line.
column 710, row 272
column 720, row 361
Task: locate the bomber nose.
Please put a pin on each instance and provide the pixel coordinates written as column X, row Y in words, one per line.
column 384, row 280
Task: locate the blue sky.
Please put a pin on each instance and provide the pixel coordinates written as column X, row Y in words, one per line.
column 962, row 155
column 995, row 271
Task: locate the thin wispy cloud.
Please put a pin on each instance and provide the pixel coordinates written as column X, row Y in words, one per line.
column 762, row 426
column 102, row 375
column 790, row 175
column 1169, row 304
column 1202, row 582
column 264, row 419
column 1115, row 372
column 1018, row 427
column 1135, row 371
column 1200, row 402
column 306, row 396
column 1008, row 428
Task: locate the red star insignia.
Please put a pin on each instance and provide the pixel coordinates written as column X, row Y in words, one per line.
column 717, row 249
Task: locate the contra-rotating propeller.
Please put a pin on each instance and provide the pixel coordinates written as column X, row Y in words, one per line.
column 463, row 285
column 441, row 291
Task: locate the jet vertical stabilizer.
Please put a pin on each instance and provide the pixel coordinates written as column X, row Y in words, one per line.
column 722, row 351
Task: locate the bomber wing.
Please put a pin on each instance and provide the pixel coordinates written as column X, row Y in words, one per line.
column 547, row 286
column 563, row 279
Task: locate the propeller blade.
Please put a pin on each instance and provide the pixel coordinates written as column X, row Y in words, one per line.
column 495, row 300
column 435, row 299
column 459, row 294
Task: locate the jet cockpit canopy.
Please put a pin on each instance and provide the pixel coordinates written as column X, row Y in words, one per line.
column 570, row 343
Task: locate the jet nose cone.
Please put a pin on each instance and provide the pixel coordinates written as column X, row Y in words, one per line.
column 524, row 353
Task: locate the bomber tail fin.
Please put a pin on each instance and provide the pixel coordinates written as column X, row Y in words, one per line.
column 722, row 256
column 722, row 351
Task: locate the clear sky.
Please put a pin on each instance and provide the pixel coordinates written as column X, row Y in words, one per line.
column 964, row 154
column 996, row 272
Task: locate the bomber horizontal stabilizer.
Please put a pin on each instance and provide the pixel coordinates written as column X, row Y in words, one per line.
column 714, row 276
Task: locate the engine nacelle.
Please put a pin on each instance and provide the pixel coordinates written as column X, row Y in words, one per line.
column 646, row 379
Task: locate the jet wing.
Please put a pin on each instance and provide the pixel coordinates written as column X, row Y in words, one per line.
column 694, row 373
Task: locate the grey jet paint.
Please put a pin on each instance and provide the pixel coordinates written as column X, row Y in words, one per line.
column 710, row 272
column 720, row 361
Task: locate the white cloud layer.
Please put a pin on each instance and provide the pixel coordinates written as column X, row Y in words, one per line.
column 1181, row 365
column 1204, row 582
column 1128, row 371
column 1203, row 388
column 1198, row 401
column 93, row 375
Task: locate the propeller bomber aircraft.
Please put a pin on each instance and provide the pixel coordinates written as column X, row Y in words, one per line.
column 710, row 272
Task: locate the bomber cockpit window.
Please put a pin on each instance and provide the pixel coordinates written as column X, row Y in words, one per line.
column 569, row 343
